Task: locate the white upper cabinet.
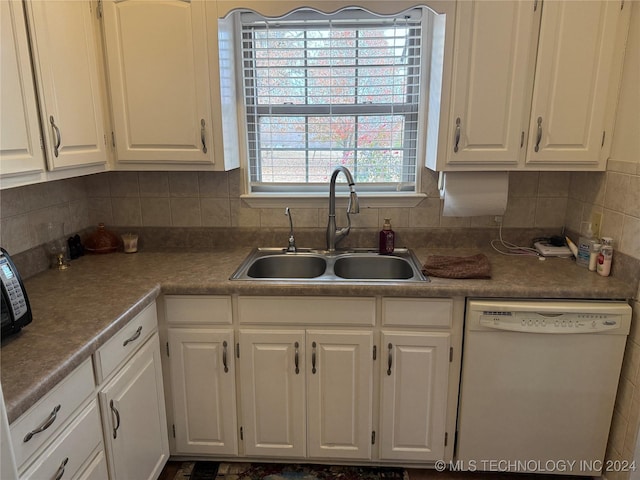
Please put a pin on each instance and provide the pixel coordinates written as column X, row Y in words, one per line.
column 65, row 52
column 159, row 81
column 20, row 151
column 575, row 80
column 488, row 103
column 534, row 85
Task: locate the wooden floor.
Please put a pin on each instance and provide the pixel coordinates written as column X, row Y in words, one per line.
column 171, row 468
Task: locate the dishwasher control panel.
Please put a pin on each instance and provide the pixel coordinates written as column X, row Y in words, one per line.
column 550, row 322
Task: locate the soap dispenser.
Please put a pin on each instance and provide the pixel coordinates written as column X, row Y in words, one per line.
column 584, row 246
column 387, row 238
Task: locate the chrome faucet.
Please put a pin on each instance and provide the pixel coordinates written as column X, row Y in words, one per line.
column 292, row 240
column 333, row 234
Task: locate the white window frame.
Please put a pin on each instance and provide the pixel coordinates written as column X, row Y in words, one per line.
column 426, row 145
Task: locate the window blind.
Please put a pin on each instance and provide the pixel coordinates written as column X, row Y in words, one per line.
column 326, row 90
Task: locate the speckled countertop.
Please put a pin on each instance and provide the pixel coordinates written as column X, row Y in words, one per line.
column 77, row 310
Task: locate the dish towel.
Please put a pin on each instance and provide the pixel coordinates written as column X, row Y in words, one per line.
column 474, row 266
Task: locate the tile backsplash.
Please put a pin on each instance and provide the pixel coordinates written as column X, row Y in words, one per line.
column 212, row 199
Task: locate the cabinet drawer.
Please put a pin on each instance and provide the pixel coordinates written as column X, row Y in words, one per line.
column 307, row 310
column 54, row 409
column 96, row 469
column 72, row 449
column 198, row 309
column 124, row 343
column 417, row 312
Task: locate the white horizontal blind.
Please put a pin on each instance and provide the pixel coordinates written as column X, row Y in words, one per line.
column 328, row 90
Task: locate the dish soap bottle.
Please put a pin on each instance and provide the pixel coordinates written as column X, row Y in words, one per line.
column 387, row 238
column 584, row 247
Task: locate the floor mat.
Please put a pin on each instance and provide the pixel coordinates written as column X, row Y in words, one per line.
column 277, row 471
column 197, row 471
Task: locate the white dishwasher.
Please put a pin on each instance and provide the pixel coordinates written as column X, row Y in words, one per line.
column 538, row 385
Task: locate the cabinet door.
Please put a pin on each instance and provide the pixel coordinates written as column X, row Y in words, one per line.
column 134, row 417
column 573, row 76
column 203, row 388
column 340, row 390
column 157, row 62
column 20, row 150
column 414, row 383
column 272, row 382
column 71, row 97
column 491, row 82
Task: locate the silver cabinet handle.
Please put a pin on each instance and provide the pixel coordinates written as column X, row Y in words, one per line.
column 133, row 337
column 313, row 358
column 297, row 358
column 61, row 468
column 224, row 356
column 390, row 360
column 117, row 414
column 203, row 136
column 457, row 140
column 46, row 424
column 56, row 130
column 539, row 135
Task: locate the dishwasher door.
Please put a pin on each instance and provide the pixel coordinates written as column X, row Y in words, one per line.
column 538, row 385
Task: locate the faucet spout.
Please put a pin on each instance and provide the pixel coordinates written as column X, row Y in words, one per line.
column 292, row 240
column 333, row 234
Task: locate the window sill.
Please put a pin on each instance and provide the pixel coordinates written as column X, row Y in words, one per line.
column 367, row 200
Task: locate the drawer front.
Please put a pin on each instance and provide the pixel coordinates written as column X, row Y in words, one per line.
column 126, row 342
column 198, row 309
column 307, row 310
column 97, row 468
column 71, row 450
column 51, row 411
column 417, row 312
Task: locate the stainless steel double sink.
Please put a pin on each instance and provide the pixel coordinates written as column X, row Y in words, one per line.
column 308, row 265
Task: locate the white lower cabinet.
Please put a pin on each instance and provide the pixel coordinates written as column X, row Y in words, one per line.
column 344, row 379
column 134, row 420
column 306, row 393
column 203, row 384
column 73, row 453
column 413, row 406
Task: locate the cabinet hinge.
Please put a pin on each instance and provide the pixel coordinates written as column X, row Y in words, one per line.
column 241, row 434
column 99, row 9
column 167, row 348
column 105, row 139
column 446, row 438
column 603, row 137
column 535, row 5
column 41, row 143
column 373, row 437
column 173, row 427
column 375, row 352
column 238, row 350
column 450, row 354
column 621, row 4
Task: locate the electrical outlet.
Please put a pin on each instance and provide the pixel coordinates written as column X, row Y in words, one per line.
column 596, row 221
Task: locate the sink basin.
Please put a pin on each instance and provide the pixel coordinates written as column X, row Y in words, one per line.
column 371, row 266
column 307, row 265
column 287, row 266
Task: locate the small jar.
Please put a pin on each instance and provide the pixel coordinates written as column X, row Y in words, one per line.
column 594, row 251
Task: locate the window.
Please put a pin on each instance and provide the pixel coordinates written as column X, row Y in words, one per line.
column 323, row 90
